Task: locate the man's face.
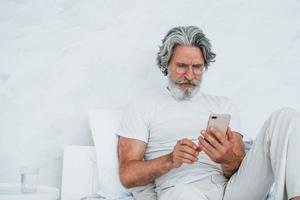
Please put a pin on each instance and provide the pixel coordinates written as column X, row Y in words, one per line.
column 185, row 71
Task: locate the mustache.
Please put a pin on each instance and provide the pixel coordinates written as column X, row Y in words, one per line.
column 192, row 82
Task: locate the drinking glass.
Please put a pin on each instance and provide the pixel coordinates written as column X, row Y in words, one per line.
column 29, row 179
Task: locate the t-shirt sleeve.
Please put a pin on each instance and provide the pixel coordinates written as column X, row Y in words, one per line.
column 134, row 123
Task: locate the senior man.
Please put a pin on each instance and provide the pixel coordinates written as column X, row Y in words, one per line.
column 161, row 139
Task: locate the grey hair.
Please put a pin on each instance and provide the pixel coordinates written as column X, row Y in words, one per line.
column 183, row 35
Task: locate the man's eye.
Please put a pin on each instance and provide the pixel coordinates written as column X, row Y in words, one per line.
column 182, row 65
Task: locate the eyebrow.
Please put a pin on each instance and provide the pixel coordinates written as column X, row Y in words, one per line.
column 179, row 63
column 195, row 65
column 198, row 65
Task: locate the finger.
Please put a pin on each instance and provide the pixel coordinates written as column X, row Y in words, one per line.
column 215, row 143
column 199, row 139
column 206, row 145
column 208, row 152
column 209, row 138
column 189, row 143
column 184, row 160
column 203, row 132
column 218, row 135
column 189, row 150
column 188, row 156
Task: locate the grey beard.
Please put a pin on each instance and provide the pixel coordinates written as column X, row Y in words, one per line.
column 183, row 94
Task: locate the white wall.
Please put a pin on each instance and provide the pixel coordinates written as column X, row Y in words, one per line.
column 58, row 58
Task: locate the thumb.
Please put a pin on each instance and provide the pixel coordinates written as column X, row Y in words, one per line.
column 199, row 149
column 198, row 146
column 229, row 133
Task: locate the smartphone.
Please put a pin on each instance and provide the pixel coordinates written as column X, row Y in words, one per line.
column 220, row 121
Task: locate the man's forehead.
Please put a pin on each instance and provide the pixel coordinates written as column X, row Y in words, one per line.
column 188, row 61
column 187, row 52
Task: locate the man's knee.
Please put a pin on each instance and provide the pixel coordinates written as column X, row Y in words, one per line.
column 287, row 113
column 279, row 122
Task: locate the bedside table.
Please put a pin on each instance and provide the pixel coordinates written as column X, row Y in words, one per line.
column 11, row 191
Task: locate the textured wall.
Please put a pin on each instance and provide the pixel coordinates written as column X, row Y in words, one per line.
column 58, row 58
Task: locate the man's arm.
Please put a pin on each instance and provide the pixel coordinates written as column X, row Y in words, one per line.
column 134, row 171
column 226, row 149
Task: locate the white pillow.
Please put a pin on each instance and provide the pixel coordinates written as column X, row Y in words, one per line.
column 104, row 124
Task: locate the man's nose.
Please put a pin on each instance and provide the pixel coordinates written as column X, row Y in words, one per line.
column 189, row 74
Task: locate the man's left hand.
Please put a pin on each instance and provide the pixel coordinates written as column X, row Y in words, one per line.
column 225, row 149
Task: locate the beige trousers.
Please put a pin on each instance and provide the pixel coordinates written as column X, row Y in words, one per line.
column 274, row 157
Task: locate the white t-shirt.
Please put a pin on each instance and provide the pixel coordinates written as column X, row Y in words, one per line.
column 162, row 120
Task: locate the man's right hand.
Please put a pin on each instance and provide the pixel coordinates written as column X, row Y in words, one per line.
column 185, row 151
column 135, row 171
